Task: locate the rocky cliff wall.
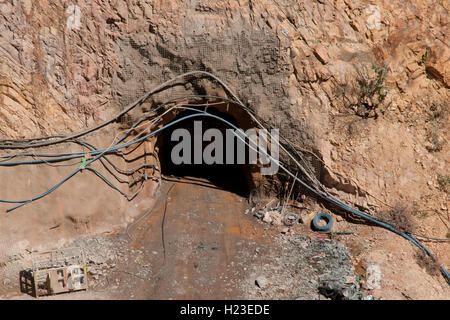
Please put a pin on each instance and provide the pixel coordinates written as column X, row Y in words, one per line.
column 362, row 84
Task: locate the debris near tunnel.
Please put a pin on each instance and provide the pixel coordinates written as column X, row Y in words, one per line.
column 301, row 268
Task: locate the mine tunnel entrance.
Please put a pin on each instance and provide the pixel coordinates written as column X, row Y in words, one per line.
column 232, row 177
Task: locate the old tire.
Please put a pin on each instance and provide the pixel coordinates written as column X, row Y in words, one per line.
column 325, row 216
column 290, row 218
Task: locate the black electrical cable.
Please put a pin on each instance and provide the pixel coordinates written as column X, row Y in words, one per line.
column 79, row 155
column 128, row 196
column 325, row 196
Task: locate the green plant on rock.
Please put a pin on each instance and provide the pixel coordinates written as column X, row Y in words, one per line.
column 371, row 92
column 375, row 87
column 426, row 55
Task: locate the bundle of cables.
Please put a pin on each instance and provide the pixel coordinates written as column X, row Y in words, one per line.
column 308, row 180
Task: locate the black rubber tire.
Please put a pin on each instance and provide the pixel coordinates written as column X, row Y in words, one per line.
column 290, row 216
column 326, row 217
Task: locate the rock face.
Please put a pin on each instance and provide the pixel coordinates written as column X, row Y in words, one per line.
column 302, row 65
column 362, row 84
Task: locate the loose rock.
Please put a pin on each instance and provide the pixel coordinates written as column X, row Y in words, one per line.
column 261, row 282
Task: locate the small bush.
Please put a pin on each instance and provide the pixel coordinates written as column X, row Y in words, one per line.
column 375, row 87
column 436, row 133
column 426, row 54
column 436, row 139
column 369, row 92
column 424, row 261
column 444, row 182
column 400, row 216
column 372, row 91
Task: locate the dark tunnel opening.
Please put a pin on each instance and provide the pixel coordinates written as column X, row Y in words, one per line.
column 232, row 177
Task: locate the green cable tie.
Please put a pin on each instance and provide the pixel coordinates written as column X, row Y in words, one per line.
column 83, row 163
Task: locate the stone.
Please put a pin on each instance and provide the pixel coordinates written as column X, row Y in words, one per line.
column 350, row 279
column 321, row 54
column 93, row 272
column 276, row 217
column 97, row 259
column 261, row 282
column 373, row 277
column 267, row 218
column 337, row 290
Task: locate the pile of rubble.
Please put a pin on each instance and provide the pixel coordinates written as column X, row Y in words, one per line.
column 277, row 215
column 323, row 265
column 304, row 269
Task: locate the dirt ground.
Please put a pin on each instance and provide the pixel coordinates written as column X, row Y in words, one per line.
column 199, row 242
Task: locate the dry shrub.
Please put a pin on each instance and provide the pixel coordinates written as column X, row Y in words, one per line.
column 437, row 129
column 424, row 261
column 400, row 216
column 444, row 182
